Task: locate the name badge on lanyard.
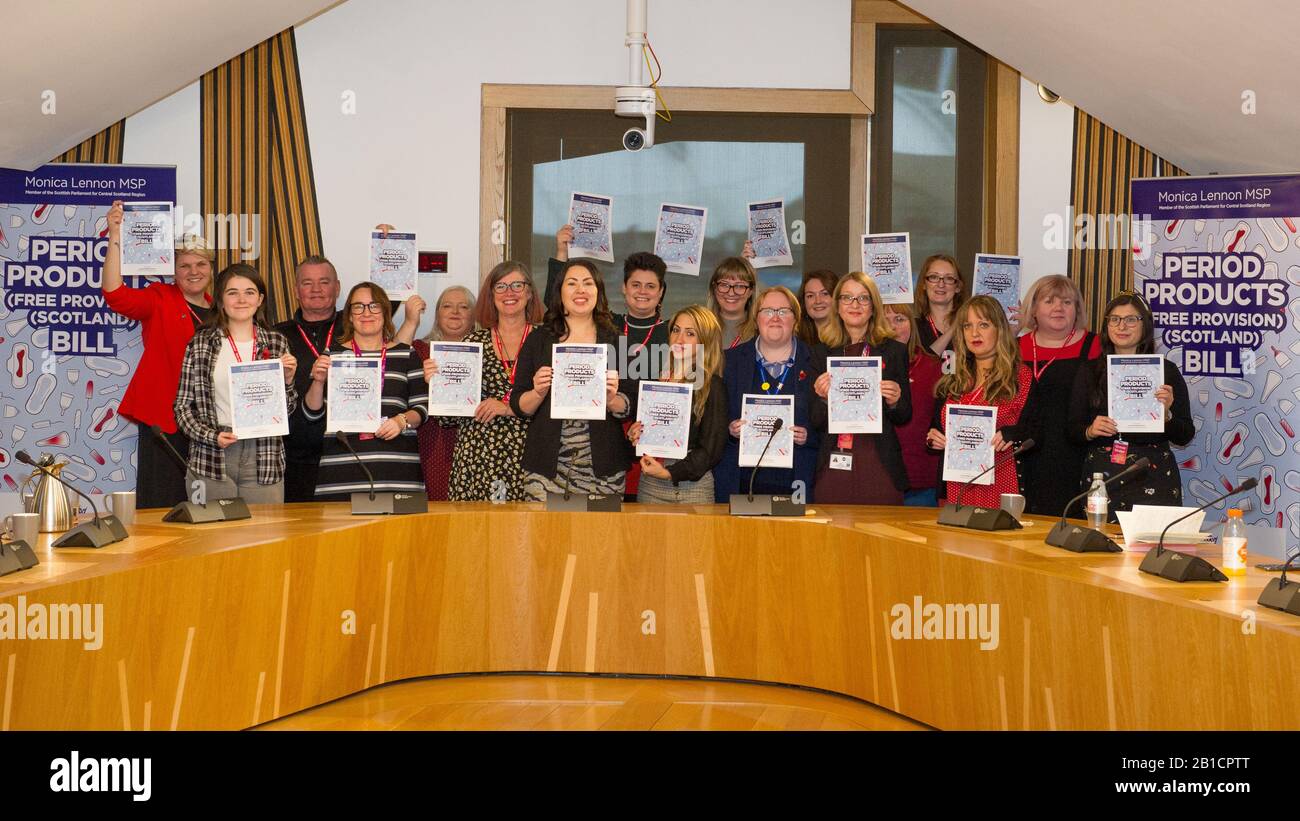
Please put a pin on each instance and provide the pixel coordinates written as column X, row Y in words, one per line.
column 841, row 461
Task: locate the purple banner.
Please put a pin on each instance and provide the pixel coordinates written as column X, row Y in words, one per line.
column 89, row 185
column 1249, row 197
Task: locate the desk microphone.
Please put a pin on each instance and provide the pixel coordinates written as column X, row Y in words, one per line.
column 343, row 440
column 978, row 518
column 1281, row 594
column 95, row 533
column 386, row 502
column 1184, row 567
column 1087, row 539
column 220, row 510
column 753, row 474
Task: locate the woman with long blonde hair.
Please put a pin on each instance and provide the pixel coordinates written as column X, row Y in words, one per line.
column 987, row 370
column 695, row 340
column 863, row 468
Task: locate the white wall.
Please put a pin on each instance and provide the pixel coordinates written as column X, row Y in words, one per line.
column 167, row 133
column 409, row 155
column 1046, row 159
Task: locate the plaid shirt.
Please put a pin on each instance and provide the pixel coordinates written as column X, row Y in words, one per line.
column 196, row 409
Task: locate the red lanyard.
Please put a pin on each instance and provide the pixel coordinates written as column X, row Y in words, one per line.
column 383, row 356
column 257, row 354
column 198, row 320
column 328, row 337
column 500, row 345
column 735, row 341
column 646, row 341
column 933, row 327
column 1033, row 341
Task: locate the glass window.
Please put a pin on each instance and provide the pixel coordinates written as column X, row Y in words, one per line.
column 721, row 162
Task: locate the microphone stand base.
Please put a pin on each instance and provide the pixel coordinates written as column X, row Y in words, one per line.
column 1081, row 539
column 1180, row 567
column 220, row 510
column 16, row 555
column 396, row 503
column 96, row 533
column 584, row 503
column 1282, row 594
column 764, row 504
column 977, row 518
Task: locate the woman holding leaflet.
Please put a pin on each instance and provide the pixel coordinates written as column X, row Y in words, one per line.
column 696, row 357
column 169, row 314
column 1130, row 329
column 868, row 467
column 229, row 466
column 987, row 371
column 453, row 320
column 391, row 453
column 580, row 455
column 485, row 464
column 774, row 363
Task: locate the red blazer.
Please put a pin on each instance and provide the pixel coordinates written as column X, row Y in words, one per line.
column 167, row 327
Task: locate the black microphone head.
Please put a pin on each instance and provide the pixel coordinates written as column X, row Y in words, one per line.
column 1141, row 464
column 24, row 457
column 1249, row 484
column 341, row 436
column 1024, row 446
column 778, row 424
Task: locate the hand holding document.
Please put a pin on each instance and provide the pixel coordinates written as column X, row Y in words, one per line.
column 853, row 401
column 760, row 412
column 578, row 381
column 592, row 218
column 767, row 234
column 148, row 240
column 457, row 388
column 259, row 405
column 998, row 277
column 969, row 448
column 354, row 394
column 393, row 260
column 664, row 411
column 679, row 237
column 887, row 258
column 1131, row 385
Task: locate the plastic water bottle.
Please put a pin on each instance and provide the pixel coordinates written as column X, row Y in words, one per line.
column 1234, row 544
column 1098, row 502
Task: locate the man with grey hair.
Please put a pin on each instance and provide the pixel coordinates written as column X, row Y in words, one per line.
column 314, row 328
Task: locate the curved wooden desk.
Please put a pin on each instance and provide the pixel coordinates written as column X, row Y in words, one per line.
column 228, row 625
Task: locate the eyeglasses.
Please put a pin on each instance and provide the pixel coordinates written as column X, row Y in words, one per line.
column 359, row 308
column 939, row 279
column 732, row 287
column 775, row 313
column 515, row 287
column 1126, row 321
column 862, row 299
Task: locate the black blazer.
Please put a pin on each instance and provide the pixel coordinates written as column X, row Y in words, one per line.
column 708, row 437
column 610, row 450
column 893, row 355
column 1084, row 407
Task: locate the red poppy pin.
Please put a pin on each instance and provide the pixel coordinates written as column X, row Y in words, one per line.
column 802, row 375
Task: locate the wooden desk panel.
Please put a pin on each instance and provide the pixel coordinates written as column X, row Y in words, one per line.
column 225, row 626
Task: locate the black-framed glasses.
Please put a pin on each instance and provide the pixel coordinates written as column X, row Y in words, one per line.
column 862, row 299
column 941, row 279
column 359, row 308
column 733, row 287
column 1125, row 321
column 514, row 287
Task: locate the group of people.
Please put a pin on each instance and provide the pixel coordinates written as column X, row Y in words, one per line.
column 1041, row 368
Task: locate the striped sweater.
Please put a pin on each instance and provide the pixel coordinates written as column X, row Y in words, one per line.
column 395, row 463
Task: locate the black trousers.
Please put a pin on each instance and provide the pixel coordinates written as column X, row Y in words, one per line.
column 159, row 481
column 300, row 476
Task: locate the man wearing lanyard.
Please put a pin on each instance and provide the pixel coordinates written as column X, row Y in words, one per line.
column 311, row 331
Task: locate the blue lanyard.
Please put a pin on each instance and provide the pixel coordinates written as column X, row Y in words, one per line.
column 780, row 382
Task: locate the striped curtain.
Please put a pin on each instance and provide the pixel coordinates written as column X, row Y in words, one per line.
column 1105, row 162
column 104, row 147
column 257, row 180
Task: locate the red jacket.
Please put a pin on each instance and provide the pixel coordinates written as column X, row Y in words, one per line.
column 167, row 326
